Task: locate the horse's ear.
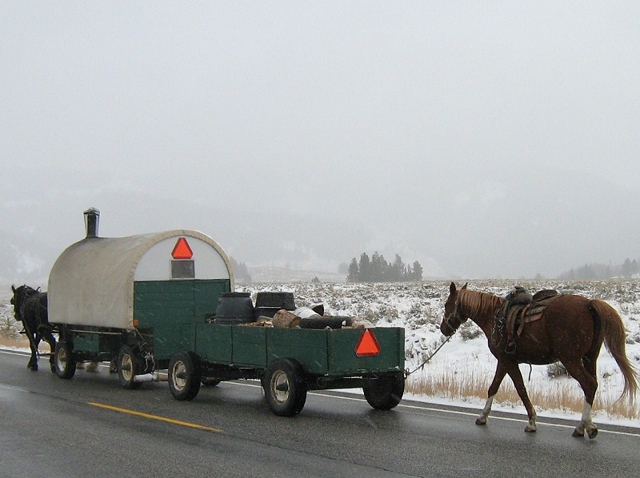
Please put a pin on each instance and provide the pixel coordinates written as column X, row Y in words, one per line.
column 13, row 288
column 452, row 288
column 465, row 286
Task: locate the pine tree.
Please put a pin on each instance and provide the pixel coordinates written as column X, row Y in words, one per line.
column 365, row 268
column 417, row 271
column 354, row 271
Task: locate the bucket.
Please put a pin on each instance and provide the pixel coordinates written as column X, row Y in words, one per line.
column 278, row 300
column 234, row 308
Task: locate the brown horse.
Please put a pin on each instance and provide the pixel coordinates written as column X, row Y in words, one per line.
column 571, row 330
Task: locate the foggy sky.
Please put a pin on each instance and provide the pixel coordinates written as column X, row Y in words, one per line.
column 484, row 139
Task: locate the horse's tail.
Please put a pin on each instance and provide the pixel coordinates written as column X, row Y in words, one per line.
column 614, row 335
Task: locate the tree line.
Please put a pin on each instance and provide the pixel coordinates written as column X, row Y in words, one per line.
column 377, row 269
column 240, row 270
column 629, row 268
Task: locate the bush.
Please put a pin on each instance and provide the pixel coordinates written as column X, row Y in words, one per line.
column 556, row 370
column 469, row 331
column 9, row 328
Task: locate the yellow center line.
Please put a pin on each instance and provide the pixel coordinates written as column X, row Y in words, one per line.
column 155, row 417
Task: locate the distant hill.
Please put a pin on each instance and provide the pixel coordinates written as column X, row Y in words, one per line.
column 33, row 235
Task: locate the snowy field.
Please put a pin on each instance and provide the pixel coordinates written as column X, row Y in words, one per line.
column 419, row 308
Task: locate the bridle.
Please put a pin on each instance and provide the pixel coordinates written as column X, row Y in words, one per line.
column 454, row 315
column 22, row 299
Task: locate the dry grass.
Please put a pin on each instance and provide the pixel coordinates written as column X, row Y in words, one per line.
column 566, row 395
column 22, row 342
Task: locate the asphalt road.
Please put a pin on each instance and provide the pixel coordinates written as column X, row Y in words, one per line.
column 91, row 427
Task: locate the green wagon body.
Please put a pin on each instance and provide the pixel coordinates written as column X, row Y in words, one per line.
column 329, row 352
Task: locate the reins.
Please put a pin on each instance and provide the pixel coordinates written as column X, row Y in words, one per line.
column 407, row 373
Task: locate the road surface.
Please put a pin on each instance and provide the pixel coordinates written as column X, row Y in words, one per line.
column 91, row 427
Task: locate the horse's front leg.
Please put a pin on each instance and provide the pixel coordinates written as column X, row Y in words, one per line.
column 33, row 361
column 516, row 376
column 491, row 393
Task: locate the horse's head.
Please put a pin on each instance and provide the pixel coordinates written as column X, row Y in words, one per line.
column 20, row 294
column 452, row 318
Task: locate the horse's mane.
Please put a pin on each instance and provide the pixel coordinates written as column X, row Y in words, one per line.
column 479, row 303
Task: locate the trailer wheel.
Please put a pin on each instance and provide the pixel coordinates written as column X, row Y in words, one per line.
column 129, row 365
column 184, row 376
column 63, row 362
column 285, row 388
column 385, row 391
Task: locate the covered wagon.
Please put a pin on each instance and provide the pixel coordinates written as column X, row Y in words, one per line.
column 133, row 300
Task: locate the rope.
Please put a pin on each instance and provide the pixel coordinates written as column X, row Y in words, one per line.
column 407, row 373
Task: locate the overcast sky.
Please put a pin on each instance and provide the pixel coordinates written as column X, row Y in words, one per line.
column 407, row 116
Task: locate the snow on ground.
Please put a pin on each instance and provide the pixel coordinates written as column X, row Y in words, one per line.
column 419, row 308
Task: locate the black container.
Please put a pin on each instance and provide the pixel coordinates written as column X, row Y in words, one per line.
column 333, row 322
column 277, row 300
column 235, row 308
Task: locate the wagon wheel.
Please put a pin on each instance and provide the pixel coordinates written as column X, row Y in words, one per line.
column 184, row 376
column 63, row 362
column 284, row 387
column 385, row 391
column 129, row 365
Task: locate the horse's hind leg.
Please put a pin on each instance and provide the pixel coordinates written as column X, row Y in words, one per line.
column 589, row 385
column 491, row 393
column 51, row 340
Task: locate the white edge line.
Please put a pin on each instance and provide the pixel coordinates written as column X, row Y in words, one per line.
column 455, row 412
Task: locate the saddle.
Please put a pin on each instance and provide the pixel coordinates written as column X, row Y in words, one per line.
column 521, row 308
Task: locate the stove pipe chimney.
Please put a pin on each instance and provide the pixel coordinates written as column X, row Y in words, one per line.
column 91, row 219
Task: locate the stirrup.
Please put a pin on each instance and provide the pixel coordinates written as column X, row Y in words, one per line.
column 510, row 348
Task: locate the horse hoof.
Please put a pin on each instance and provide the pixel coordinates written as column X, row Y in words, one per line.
column 33, row 368
column 530, row 429
column 481, row 421
column 577, row 434
column 592, row 433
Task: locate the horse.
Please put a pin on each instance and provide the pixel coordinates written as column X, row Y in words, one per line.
column 30, row 308
column 571, row 330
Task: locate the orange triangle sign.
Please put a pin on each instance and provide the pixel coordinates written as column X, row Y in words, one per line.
column 182, row 250
column 368, row 345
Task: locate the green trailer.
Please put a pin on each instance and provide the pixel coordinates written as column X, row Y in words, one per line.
column 291, row 361
column 148, row 303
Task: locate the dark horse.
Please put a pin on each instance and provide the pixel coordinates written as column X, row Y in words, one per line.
column 30, row 308
column 571, row 330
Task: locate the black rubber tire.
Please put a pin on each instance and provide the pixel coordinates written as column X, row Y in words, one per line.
column 129, row 365
column 184, row 376
column 285, row 387
column 63, row 361
column 384, row 392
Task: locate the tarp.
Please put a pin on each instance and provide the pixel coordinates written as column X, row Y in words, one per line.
column 92, row 282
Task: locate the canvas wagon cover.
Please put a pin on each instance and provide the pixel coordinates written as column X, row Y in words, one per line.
column 92, row 282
